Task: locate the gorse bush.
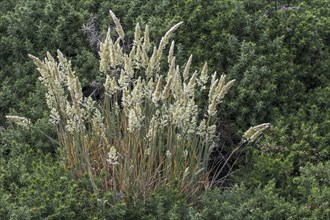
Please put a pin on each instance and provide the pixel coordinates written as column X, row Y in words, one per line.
column 34, row 186
column 147, row 133
column 278, row 53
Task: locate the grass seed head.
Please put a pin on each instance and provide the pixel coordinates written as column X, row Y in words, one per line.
column 119, row 28
column 113, row 156
column 20, row 121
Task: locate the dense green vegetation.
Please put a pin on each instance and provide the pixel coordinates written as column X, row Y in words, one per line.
column 279, row 54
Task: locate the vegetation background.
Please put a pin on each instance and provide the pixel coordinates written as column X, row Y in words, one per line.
column 278, row 52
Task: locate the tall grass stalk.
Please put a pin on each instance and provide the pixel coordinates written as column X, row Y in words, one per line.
column 146, row 134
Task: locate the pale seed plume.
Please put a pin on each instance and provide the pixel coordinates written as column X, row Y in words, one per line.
column 119, row 28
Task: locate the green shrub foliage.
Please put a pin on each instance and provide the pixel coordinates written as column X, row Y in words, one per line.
column 33, row 186
column 278, row 52
column 36, row 27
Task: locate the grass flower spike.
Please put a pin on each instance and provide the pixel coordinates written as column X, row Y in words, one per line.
column 20, row 121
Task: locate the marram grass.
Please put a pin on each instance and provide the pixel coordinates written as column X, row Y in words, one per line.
column 147, row 133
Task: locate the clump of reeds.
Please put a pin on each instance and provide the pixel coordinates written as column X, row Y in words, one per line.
column 147, row 133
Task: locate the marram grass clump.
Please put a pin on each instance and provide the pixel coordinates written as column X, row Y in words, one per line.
column 147, row 133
